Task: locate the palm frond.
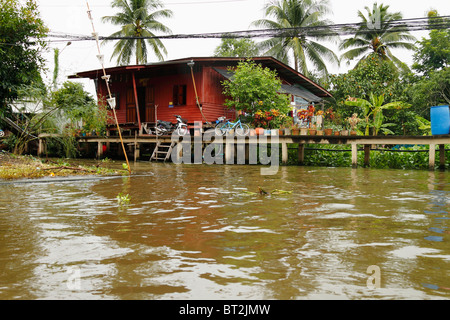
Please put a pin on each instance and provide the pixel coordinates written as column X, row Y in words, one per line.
column 138, row 18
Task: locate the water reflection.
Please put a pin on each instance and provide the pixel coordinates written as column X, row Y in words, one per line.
column 196, row 232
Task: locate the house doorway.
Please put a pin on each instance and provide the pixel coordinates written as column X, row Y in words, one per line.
column 146, row 102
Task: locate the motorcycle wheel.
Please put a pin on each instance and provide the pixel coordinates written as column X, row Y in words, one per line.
column 181, row 131
column 159, row 130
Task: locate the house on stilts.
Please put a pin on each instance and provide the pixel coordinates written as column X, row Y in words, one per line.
column 159, row 91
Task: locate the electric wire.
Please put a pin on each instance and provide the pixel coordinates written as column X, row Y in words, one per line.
column 347, row 29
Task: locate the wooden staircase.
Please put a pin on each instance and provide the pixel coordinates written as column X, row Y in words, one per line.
column 162, row 151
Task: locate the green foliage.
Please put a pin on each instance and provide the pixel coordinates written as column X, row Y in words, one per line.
column 123, row 199
column 433, row 53
column 400, row 160
column 432, row 90
column 254, row 88
column 376, row 35
column 371, row 75
column 22, row 35
column 138, row 18
column 80, row 109
column 372, row 111
column 403, row 157
column 306, row 52
column 229, row 47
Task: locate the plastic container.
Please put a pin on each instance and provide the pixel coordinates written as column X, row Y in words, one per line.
column 440, row 120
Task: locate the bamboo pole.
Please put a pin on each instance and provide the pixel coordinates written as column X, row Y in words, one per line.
column 106, row 78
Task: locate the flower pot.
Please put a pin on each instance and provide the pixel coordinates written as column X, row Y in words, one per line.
column 344, row 133
column 287, row 132
column 303, row 131
column 280, row 132
column 336, row 133
column 312, row 132
column 274, row 132
column 259, row 131
column 319, row 132
column 353, row 133
column 296, row 131
column 328, row 132
column 266, row 132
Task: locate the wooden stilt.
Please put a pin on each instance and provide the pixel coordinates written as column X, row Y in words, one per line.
column 301, row 154
column 432, row 156
column 284, row 153
column 366, row 155
column 442, row 156
column 99, row 150
column 354, row 155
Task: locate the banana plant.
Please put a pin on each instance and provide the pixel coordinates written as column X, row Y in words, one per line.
column 372, row 110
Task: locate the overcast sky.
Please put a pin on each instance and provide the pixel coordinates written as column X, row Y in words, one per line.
column 192, row 16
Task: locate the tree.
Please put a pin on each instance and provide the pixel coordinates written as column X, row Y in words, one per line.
column 373, row 112
column 138, row 19
column 433, row 90
column 304, row 50
column 254, row 88
column 230, row 47
column 433, row 53
column 376, row 34
column 22, row 35
column 372, row 75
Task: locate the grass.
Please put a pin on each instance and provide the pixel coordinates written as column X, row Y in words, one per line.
column 28, row 167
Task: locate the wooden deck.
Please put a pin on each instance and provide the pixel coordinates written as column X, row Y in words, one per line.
column 284, row 141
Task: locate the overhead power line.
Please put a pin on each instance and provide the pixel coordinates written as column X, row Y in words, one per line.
column 410, row 25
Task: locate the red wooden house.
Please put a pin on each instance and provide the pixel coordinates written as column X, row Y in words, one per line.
column 165, row 89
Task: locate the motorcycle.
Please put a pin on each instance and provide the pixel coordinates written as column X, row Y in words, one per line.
column 166, row 127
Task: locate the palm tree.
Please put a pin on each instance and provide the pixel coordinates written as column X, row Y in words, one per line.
column 289, row 14
column 377, row 34
column 138, row 18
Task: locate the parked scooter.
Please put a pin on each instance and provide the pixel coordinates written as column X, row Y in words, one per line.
column 167, row 128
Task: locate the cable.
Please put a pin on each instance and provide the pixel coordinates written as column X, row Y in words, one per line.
column 404, row 25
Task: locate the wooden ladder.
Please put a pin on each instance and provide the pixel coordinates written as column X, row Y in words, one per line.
column 162, row 151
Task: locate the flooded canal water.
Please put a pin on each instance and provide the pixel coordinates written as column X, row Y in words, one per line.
column 204, row 232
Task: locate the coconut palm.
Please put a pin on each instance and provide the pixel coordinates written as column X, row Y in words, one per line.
column 138, row 18
column 302, row 49
column 377, row 34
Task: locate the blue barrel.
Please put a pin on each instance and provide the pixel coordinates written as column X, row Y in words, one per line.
column 440, row 120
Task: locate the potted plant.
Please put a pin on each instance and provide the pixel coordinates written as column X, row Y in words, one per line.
column 295, row 129
column 353, row 122
column 259, row 131
column 312, row 130
column 328, row 129
column 344, row 131
column 336, row 130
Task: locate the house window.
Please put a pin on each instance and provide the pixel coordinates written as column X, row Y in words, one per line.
column 179, row 95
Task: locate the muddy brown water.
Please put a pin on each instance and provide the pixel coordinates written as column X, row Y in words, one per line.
column 195, row 232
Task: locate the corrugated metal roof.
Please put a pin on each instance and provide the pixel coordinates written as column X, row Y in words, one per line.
column 284, row 71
